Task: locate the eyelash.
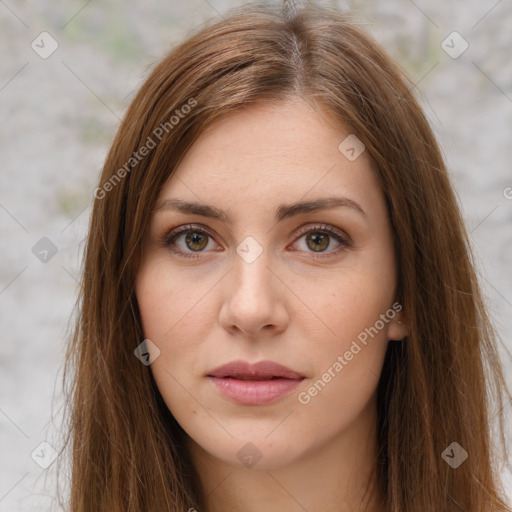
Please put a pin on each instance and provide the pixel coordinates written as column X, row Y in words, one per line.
column 170, row 238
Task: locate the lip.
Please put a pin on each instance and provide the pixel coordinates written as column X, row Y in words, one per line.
column 274, row 381
column 261, row 369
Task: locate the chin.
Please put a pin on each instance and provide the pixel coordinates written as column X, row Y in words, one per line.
column 253, row 452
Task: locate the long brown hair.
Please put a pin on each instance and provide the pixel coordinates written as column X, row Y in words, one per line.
column 442, row 384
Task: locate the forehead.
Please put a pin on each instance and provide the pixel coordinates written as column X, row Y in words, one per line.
column 270, row 152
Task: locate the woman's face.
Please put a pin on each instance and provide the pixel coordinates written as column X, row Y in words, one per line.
column 255, row 278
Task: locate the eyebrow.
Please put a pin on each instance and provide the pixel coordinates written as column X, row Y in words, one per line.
column 282, row 212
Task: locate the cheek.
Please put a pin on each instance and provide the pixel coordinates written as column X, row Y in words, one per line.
column 351, row 300
column 353, row 305
column 348, row 367
column 176, row 316
column 176, row 321
column 169, row 302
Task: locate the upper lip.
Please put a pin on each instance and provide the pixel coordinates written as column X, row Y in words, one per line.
column 261, row 369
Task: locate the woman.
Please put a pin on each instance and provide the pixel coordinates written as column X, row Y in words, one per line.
column 278, row 308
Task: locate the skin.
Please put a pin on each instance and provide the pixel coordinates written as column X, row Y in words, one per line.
column 286, row 306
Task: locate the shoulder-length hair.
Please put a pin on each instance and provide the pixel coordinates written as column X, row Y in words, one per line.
column 127, row 450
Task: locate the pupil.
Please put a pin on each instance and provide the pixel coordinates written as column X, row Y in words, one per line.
column 317, row 239
column 195, row 239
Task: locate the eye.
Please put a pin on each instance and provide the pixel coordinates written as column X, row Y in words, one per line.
column 319, row 238
column 196, row 240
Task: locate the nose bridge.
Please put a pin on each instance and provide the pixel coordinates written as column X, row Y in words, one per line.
column 251, row 273
column 251, row 302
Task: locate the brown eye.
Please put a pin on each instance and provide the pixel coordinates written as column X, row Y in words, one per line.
column 196, row 240
column 188, row 240
column 317, row 241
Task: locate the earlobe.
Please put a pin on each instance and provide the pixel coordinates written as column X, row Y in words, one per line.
column 397, row 330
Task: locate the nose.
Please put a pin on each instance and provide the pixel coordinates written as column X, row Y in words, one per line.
column 254, row 300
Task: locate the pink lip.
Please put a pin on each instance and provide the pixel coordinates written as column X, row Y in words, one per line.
column 264, row 369
column 275, row 381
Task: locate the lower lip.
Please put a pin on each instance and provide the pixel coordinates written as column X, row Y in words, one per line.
column 254, row 392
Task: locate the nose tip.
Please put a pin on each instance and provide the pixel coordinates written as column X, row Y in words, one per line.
column 252, row 303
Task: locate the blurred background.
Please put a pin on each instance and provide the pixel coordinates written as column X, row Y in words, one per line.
column 68, row 71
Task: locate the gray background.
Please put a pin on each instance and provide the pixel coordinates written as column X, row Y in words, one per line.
column 57, row 119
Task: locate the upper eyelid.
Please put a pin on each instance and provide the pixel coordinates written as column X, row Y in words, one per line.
column 179, row 230
column 322, row 226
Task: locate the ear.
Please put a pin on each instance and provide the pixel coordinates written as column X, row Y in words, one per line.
column 397, row 327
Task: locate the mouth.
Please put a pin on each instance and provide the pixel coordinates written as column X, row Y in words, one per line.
column 262, row 370
column 247, row 377
column 257, row 384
